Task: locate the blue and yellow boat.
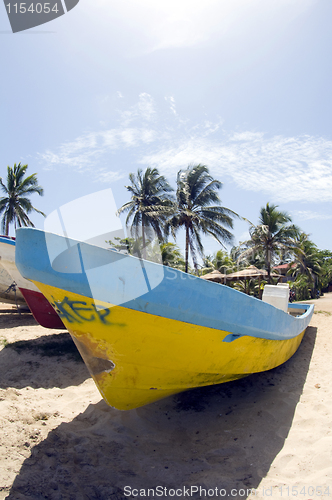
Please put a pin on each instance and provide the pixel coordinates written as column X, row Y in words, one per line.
column 147, row 331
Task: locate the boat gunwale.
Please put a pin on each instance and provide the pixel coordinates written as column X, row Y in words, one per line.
column 272, row 331
column 7, row 240
column 307, row 307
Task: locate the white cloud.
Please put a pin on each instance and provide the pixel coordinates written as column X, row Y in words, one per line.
column 309, row 215
column 171, row 102
column 285, row 168
column 288, row 169
column 144, row 110
column 109, row 177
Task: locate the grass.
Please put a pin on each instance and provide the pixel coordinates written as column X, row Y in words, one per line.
column 3, row 342
column 323, row 312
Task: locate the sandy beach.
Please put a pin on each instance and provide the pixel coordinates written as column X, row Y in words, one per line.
column 270, row 432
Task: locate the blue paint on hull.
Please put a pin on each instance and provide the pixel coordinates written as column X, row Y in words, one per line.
column 118, row 279
column 8, row 241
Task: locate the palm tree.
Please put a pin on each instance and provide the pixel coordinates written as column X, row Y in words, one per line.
column 16, row 206
column 171, row 256
column 307, row 261
column 221, row 261
column 301, row 287
column 325, row 261
column 198, row 210
column 273, row 235
column 245, row 256
column 250, row 286
column 149, row 204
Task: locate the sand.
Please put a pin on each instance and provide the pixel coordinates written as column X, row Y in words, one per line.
column 270, row 432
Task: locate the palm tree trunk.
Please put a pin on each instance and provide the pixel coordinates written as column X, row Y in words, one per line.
column 143, row 242
column 312, row 281
column 187, row 248
column 260, row 290
column 268, row 265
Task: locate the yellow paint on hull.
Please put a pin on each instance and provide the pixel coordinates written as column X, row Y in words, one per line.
column 136, row 358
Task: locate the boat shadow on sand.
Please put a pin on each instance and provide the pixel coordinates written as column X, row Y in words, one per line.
column 42, row 362
column 223, row 436
column 11, row 317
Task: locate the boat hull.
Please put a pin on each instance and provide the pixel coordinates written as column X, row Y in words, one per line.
column 136, row 358
column 41, row 309
column 9, row 292
column 26, row 292
column 146, row 331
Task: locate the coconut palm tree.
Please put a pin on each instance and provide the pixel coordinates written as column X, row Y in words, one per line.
column 301, row 287
column 220, row 261
column 273, row 235
column 150, row 203
column 15, row 205
column 306, row 260
column 171, row 255
column 244, row 256
column 250, row 286
column 325, row 261
column 198, row 210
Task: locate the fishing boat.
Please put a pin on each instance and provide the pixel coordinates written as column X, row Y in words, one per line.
column 9, row 292
column 147, row 331
column 41, row 309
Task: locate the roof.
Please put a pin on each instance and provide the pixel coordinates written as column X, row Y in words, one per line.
column 249, row 272
column 284, row 266
column 214, row 276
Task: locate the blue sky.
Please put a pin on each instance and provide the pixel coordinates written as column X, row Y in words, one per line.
column 242, row 86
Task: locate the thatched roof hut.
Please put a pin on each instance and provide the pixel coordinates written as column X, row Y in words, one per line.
column 215, row 276
column 249, row 272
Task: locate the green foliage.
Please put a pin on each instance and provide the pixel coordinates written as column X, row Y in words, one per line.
column 273, row 235
column 4, row 342
column 197, row 210
column 306, row 261
column 249, row 286
column 301, row 287
column 167, row 254
column 224, row 262
column 149, row 205
column 171, row 256
column 220, row 261
column 15, row 205
column 244, row 256
column 328, row 313
column 124, row 245
column 149, row 250
column 325, row 261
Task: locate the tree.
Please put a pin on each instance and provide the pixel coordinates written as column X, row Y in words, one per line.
column 244, row 256
column 325, row 261
column 273, row 235
column 16, row 205
column 150, row 203
column 198, row 210
column 306, row 260
column 171, row 256
column 130, row 246
column 220, row 261
column 249, row 286
column 167, row 254
column 301, row 287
